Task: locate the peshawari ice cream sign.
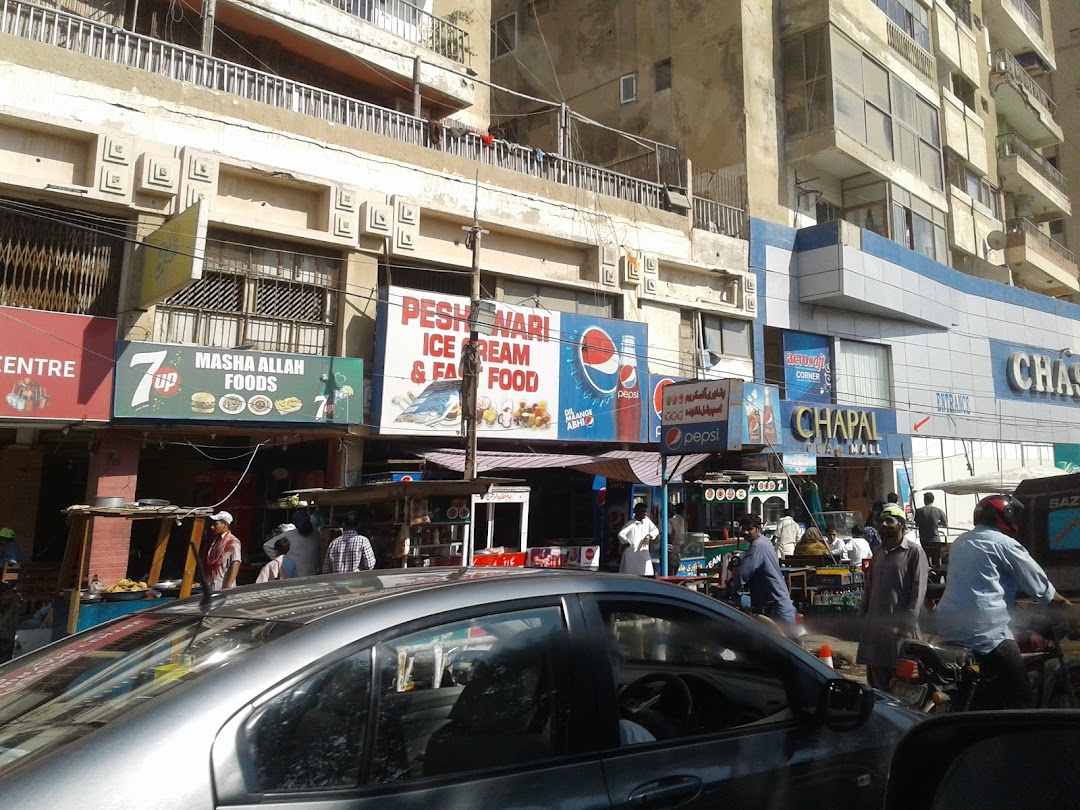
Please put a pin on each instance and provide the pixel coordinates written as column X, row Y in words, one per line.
column 544, row 375
column 157, row 382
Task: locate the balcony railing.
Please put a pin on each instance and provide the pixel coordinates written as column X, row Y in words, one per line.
column 1012, row 144
column 1005, row 64
column 1028, row 13
column 1051, row 248
column 716, row 217
column 139, row 52
column 411, row 23
column 912, row 51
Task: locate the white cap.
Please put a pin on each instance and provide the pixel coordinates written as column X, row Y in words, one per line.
column 284, row 528
column 225, row 516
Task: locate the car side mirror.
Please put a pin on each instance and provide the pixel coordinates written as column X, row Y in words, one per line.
column 990, row 760
column 845, row 705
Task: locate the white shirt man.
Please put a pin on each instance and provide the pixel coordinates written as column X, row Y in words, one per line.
column 635, row 537
column 303, row 549
column 787, row 535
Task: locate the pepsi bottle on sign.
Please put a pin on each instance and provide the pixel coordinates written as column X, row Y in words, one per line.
column 628, row 394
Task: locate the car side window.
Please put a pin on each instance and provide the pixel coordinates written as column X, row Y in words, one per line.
column 472, row 694
column 311, row 736
column 680, row 673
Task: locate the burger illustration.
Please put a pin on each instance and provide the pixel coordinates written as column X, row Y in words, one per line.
column 203, row 403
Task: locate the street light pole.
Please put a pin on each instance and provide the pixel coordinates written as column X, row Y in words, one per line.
column 470, row 358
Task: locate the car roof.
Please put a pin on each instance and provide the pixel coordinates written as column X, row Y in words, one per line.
column 308, row 599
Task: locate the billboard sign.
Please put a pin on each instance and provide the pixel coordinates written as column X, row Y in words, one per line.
column 164, row 382
column 55, row 366
column 172, row 256
column 545, row 376
column 753, row 416
column 695, row 416
column 807, row 367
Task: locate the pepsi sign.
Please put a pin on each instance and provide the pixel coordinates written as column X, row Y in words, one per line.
column 694, row 438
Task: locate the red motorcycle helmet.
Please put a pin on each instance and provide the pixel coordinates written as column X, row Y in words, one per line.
column 1001, row 512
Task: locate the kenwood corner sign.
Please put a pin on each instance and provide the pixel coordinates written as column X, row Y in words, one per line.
column 1035, row 374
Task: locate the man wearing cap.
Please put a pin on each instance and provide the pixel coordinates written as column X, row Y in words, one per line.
column 303, row 548
column 10, row 551
column 223, row 555
column 893, row 593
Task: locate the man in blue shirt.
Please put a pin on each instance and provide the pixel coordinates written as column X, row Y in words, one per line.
column 987, row 566
column 760, row 573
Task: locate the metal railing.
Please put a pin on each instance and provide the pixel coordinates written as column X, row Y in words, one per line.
column 717, row 217
column 62, row 30
column 917, row 56
column 405, row 20
column 1012, row 144
column 1029, row 14
column 1005, row 64
column 962, row 9
column 1032, row 235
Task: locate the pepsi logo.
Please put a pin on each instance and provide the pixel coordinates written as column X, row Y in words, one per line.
column 590, row 552
column 589, row 420
column 673, row 437
column 658, row 394
column 598, row 361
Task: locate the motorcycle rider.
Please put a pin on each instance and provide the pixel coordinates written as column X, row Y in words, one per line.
column 987, row 566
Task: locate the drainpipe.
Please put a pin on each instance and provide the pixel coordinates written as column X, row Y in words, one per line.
column 209, row 7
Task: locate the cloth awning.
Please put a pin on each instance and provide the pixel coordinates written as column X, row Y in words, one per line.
column 993, row 482
column 634, row 466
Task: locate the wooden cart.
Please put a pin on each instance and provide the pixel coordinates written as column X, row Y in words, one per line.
column 82, row 527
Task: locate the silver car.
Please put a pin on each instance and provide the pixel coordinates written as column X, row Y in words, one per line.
column 440, row 688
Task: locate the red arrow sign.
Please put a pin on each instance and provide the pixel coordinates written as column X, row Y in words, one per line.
column 920, row 423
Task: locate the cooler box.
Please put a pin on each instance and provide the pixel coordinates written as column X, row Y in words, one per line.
column 578, row 557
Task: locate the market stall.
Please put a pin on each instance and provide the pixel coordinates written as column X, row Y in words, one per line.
column 436, row 522
column 73, row 568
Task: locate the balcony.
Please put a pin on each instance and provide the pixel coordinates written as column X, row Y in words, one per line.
column 1023, row 102
column 912, row 52
column 1023, row 171
column 1015, row 26
column 962, row 10
column 1040, row 262
column 411, row 24
column 137, row 52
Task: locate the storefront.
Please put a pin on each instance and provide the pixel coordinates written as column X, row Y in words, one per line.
column 56, row 379
column 554, row 382
column 232, row 428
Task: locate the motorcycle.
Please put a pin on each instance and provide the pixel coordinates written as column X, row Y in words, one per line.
column 936, row 678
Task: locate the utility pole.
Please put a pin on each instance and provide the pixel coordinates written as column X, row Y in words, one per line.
column 470, row 358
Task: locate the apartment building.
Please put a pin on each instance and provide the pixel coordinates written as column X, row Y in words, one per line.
column 1066, row 88
column 932, row 123
column 235, row 247
column 904, row 166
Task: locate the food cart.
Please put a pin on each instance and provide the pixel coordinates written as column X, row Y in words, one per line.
column 437, row 522
column 73, row 568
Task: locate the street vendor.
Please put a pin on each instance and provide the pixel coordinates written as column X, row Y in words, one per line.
column 223, row 555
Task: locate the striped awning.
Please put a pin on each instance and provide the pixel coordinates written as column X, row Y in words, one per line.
column 635, row 466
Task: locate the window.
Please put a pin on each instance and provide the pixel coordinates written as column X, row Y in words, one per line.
column 311, row 735
column 558, row 299
column 504, row 36
column 732, row 683
column 806, row 84
column 826, row 211
column 964, row 90
column 473, row 694
column 628, row 88
column 974, row 185
column 863, row 374
column 723, row 337
column 918, row 226
column 662, row 75
column 274, row 295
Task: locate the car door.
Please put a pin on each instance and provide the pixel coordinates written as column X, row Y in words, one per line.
column 745, row 739
column 473, row 709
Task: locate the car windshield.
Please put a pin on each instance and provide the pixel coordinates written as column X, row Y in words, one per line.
column 54, row 696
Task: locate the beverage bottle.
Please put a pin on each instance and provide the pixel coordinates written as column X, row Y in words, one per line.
column 767, row 420
column 628, row 394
